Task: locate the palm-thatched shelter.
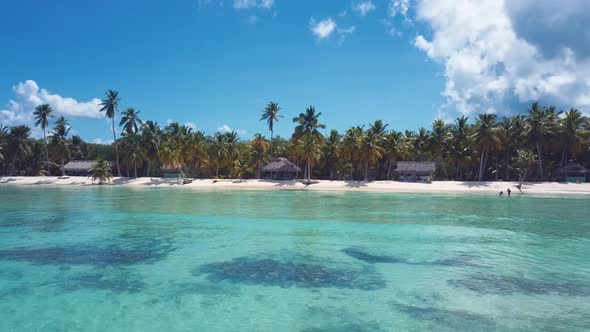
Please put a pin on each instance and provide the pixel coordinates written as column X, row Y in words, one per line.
column 281, row 169
column 574, row 172
column 416, row 171
column 79, row 167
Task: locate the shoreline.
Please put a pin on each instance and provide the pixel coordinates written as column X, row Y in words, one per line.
column 322, row 185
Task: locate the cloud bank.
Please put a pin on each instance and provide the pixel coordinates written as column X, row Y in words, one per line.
column 28, row 95
column 501, row 53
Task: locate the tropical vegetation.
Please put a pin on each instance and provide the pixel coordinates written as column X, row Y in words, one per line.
column 532, row 146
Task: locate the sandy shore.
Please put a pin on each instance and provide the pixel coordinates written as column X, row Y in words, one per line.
column 376, row 186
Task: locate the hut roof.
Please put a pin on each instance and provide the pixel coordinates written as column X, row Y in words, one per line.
column 574, row 168
column 416, row 166
column 281, row 165
column 79, row 165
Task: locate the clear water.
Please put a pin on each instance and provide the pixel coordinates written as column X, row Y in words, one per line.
column 119, row 259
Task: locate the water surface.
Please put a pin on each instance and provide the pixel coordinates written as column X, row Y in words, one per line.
column 120, row 259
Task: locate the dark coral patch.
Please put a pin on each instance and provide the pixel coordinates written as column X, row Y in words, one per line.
column 148, row 252
column 270, row 272
column 455, row 320
column 509, row 285
column 347, row 327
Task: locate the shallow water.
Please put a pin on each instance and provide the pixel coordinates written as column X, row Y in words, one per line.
column 120, row 259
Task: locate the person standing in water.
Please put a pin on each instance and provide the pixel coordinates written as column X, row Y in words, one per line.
column 508, row 191
column 501, row 193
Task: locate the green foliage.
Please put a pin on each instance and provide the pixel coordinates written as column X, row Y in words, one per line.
column 101, row 171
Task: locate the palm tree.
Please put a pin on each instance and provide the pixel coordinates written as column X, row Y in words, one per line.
column 259, row 146
column 331, row 146
column 42, row 115
column 241, row 165
column 573, row 132
column 19, row 144
column 439, row 139
column 370, row 150
column 172, row 156
column 110, row 105
column 308, row 123
column 350, row 147
column 538, row 129
column 271, row 114
column 309, row 147
column 136, row 152
column 3, row 139
column 486, row 138
column 218, row 151
column 60, row 140
column 393, row 148
column 130, row 120
column 195, row 147
column 459, row 149
column 101, row 170
column 151, row 134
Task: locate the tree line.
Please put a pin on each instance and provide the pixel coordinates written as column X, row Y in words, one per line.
column 534, row 145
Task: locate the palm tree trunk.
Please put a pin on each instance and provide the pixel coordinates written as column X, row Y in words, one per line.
column 147, row 174
column 135, row 169
column 270, row 147
column 127, row 167
column 116, row 149
column 564, row 155
column 442, row 162
column 480, row 175
column 46, row 152
column 540, row 161
column 13, row 164
column 367, row 171
column 389, row 170
column 63, row 167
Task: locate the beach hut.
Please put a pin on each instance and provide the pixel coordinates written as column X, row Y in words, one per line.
column 415, row 171
column 574, row 172
column 79, row 167
column 281, row 169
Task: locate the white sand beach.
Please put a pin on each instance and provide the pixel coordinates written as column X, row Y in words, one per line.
column 326, row 185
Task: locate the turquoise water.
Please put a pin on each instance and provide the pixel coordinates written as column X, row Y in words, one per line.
column 119, row 259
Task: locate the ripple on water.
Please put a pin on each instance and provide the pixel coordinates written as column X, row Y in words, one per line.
column 115, row 280
column 510, row 285
column 270, row 272
column 456, row 320
column 457, row 261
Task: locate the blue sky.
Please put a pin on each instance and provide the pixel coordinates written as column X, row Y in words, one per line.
column 216, row 63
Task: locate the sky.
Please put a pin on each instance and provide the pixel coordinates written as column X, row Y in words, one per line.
column 214, row 64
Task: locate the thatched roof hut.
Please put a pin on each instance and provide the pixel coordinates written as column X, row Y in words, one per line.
column 281, row 168
column 574, row 172
column 415, row 170
column 79, row 167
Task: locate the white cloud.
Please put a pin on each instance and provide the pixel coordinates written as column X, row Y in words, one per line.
column 224, row 128
column 489, row 66
column 399, row 7
column 246, row 4
column 28, row 95
column 364, row 7
column 345, row 32
column 99, row 140
column 227, row 129
column 322, row 29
